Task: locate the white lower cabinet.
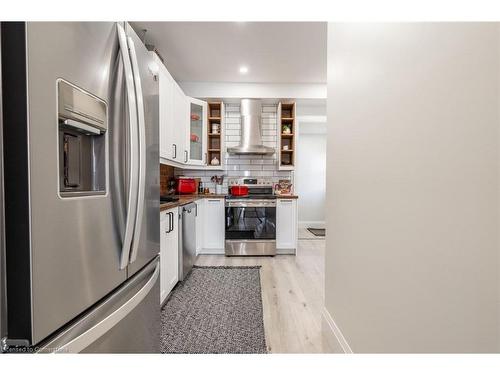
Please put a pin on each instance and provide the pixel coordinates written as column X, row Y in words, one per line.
column 200, row 209
column 286, row 225
column 213, row 226
column 169, row 251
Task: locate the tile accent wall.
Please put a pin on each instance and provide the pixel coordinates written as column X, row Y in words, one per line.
column 263, row 166
column 166, row 174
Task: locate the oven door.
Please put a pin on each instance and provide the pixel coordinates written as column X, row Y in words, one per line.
column 251, row 227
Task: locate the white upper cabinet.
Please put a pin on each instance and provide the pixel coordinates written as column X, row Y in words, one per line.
column 196, row 144
column 191, row 130
column 173, row 121
column 286, row 224
column 180, row 126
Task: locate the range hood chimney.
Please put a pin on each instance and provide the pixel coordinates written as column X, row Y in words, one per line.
column 251, row 130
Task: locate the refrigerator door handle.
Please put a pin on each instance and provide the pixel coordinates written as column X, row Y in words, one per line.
column 142, row 150
column 133, row 165
column 83, row 340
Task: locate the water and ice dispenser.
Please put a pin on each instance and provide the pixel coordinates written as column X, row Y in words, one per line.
column 82, row 142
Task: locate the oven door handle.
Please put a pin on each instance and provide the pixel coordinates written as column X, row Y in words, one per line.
column 251, row 203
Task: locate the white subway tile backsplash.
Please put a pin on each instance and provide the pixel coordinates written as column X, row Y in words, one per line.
column 250, row 167
column 230, row 132
column 269, row 167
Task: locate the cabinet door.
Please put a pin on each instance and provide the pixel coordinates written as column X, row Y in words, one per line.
column 166, row 110
column 213, row 223
column 173, row 250
column 197, row 132
column 164, row 225
column 200, row 209
column 169, row 252
column 286, row 224
column 180, row 125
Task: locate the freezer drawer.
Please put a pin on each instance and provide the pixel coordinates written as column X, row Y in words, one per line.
column 128, row 321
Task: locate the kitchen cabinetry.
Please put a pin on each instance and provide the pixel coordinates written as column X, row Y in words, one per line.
column 286, row 225
column 185, row 125
column 200, row 207
column 213, row 226
column 180, row 126
column 169, row 251
column 166, row 109
column 197, row 136
column 286, row 135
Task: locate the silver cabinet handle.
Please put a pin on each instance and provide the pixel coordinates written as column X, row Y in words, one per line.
column 174, row 151
column 133, row 165
column 206, row 158
column 185, row 156
column 142, row 150
column 286, row 200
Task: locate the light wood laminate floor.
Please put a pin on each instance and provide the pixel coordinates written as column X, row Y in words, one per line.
column 292, row 296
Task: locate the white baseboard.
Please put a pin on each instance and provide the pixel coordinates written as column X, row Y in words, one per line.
column 333, row 335
column 311, row 224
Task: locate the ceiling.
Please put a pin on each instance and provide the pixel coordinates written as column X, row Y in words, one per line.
column 273, row 52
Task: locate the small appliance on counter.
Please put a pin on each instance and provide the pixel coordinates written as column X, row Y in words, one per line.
column 186, row 185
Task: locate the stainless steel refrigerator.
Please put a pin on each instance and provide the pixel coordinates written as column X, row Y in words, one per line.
column 81, row 189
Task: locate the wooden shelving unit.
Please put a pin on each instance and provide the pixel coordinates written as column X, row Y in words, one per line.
column 286, row 139
column 214, row 147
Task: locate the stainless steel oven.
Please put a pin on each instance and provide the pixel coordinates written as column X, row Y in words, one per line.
column 251, row 221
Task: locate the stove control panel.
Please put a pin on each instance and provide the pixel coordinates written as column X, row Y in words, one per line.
column 251, row 182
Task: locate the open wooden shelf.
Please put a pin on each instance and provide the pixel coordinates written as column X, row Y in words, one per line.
column 287, row 119
column 214, row 147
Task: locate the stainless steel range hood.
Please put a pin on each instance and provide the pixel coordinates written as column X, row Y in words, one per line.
column 251, row 130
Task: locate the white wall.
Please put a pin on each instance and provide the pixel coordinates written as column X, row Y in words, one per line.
column 413, row 186
column 310, row 178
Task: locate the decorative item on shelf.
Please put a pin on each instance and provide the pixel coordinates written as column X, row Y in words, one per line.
column 218, row 181
column 195, row 138
column 286, row 129
column 215, row 161
column 215, row 128
column 194, row 117
column 283, row 187
column 285, row 147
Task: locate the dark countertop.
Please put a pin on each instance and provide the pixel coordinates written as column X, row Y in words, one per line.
column 186, row 199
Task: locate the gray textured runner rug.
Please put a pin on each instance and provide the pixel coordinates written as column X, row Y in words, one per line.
column 215, row 310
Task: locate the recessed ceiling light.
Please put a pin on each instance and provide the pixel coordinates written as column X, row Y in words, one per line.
column 243, row 70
